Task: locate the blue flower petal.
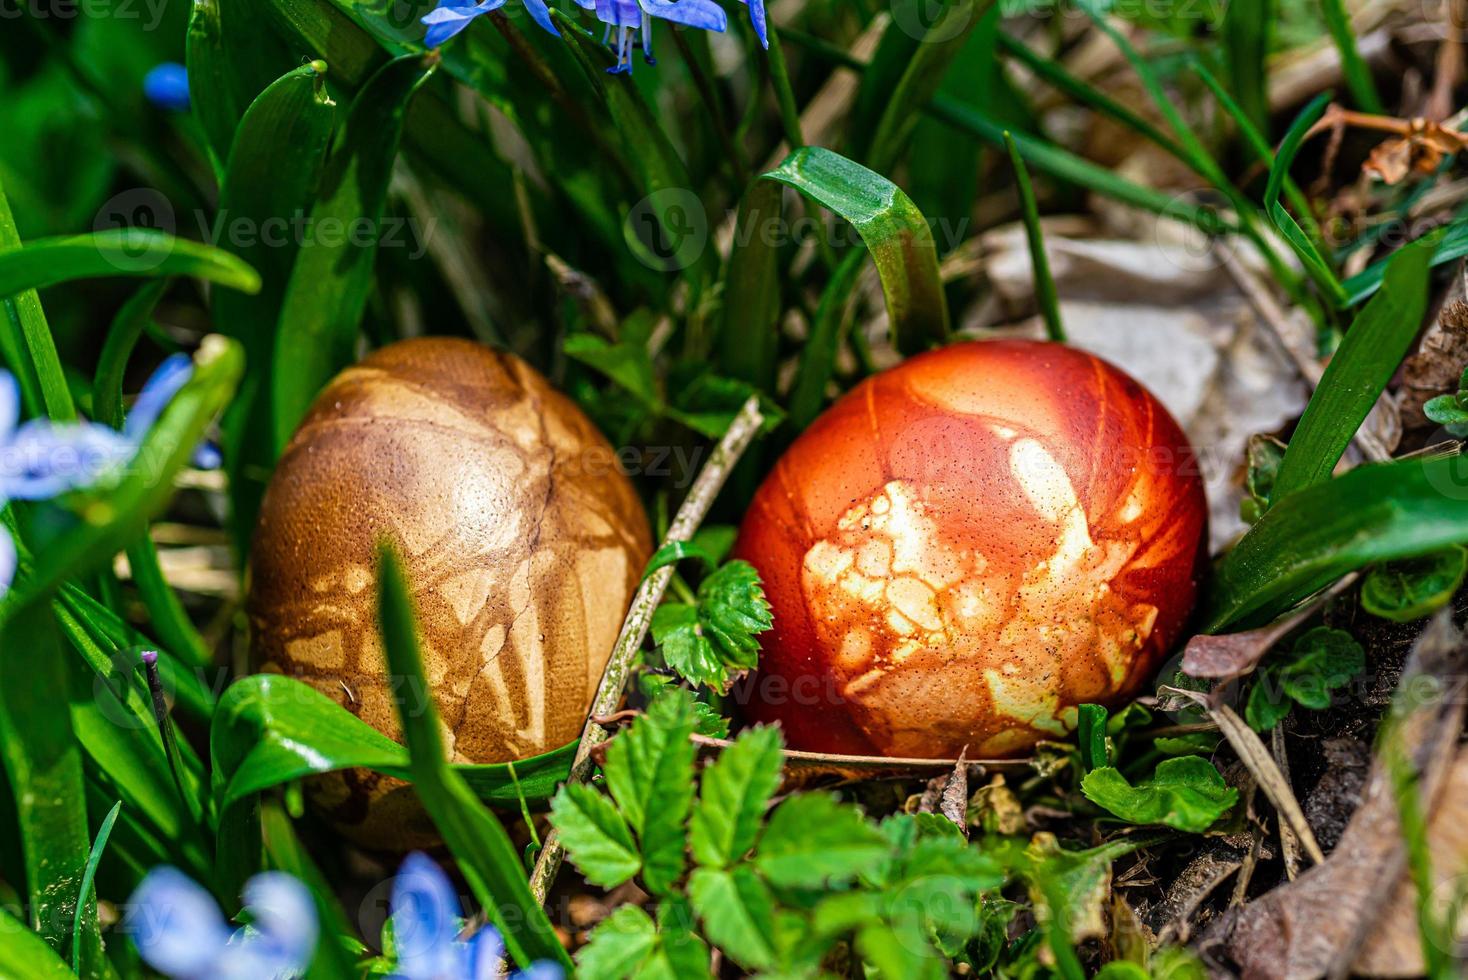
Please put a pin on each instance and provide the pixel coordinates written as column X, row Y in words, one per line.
column 175, row 924
column 167, row 87
column 619, row 13
column 757, row 18
column 425, row 920
column 9, row 405
column 541, row 15
column 484, row 955
column 7, row 560
column 283, row 929
column 44, row 460
column 449, row 18
column 208, row 456
column 702, row 14
column 157, row 392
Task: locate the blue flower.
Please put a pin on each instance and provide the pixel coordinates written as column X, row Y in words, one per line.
column 167, row 87
column 627, row 17
column 757, row 18
column 180, row 932
column 452, row 16
column 426, row 922
column 157, row 392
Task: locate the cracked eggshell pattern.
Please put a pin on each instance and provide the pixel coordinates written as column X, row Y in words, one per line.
column 522, row 541
column 966, row 548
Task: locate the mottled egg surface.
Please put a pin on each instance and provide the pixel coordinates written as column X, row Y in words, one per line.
column 522, row 540
column 966, row 548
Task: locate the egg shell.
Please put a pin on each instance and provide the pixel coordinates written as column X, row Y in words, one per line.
column 522, row 541
column 967, row 547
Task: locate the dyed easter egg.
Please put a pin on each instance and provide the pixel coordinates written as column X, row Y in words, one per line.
column 966, row 548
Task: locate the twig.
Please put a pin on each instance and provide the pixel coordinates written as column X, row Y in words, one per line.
column 634, row 629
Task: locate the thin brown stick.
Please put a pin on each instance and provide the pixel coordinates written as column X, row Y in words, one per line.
column 639, row 617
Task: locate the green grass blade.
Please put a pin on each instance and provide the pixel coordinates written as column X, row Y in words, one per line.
column 1353, row 66
column 119, row 252
column 110, row 518
column 1311, row 538
column 332, row 961
column 749, row 338
column 23, row 953
column 1365, row 283
column 1064, row 165
column 26, row 344
column 84, row 898
column 933, row 56
column 895, row 232
column 1247, row 25
column 1301, row 243
column 487, row 857
column 271, row 178
column 1045, row 294
column 1369, row 355
column 331, row 282
column 818, row 357
column 122, row 337
column 43, row 763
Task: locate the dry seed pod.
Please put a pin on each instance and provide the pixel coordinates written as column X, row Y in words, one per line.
column 522, row 540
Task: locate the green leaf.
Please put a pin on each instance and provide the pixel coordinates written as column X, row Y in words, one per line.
column 1304, row 247
column 596, row 836
column 1453, row 246
column 43, row 763
column 1247, row 25
column 735, row 790
column 1091, row 736
column 1322, row 660
column 331, row 281
column 749, row 333
column 628, row 362
column 1185, row 793
column 1446, row 410
column 680, row 953
column 119, row 252
column 1268, row 705
column 932, row 56
column 270, row 730
column 331, row 960
column 86, row 897
column 270, row 181
column 26, row 343
column 899, row 952
column 895, row 232
column 25, row 954
column 1366, row 360
column 813, row 840
column 122, row 337
column 818, row 358
column 1313, row 537
column 1406, row 590
column 1045, row 294
column 624, row 940
column 1353, row 66
column 649, row 770
column 486, row 855
column 738, row 914
column 709, row 642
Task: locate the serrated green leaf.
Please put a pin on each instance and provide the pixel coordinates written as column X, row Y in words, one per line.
column 813, row 839
column 708, row 643
column 596, row 836
column 1186, row 794
column 618, row 945
column 1402, row 591
column 900, row 952
column 735, row 790
column 738, row 914
column 649, row 770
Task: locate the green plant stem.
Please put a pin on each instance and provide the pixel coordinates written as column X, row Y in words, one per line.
column 714, row 110
column 784, row 92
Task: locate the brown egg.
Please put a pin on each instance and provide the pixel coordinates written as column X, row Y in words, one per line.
column 522, row 540
column 965, row 548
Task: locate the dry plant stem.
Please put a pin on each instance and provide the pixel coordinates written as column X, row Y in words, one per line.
column 634, row 629
column 1289, row 844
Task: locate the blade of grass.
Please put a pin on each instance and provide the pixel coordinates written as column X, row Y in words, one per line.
column 332, row 961
column 322, row 309
column 1045, row 294
column 23, row 953
column 1367, row 358
column 26, row 342
column 1315, row 263
column 1311, row 538
column 486, row 855
column 749, row 338
column 99, row 845
column 1353, row 66
column 119, row 252
column 1247, row 25
column 818, row 356
column 1361, row 286
column 895, row 232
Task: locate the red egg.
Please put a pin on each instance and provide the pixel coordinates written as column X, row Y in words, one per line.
column 966, row 548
